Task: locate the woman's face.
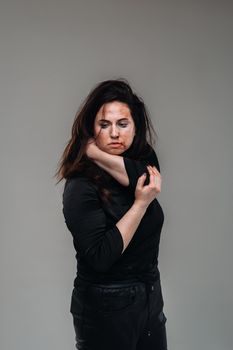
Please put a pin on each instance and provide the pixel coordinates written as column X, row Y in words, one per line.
column 114, row 127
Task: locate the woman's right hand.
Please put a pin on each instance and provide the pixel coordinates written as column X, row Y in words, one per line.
column 144, row 195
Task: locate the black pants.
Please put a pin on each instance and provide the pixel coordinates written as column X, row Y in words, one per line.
column 119, row 316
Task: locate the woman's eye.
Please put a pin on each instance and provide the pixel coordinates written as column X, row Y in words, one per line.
column 103, row 125
column 122, row 125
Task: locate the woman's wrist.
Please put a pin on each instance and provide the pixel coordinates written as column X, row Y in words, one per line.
column 113, row 164
column 92, row 150
column 140, row 204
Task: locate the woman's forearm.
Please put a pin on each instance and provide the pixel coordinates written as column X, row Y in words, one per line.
column 113, row 164
column 129, row 223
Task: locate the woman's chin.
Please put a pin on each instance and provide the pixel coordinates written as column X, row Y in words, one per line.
column 114, row 151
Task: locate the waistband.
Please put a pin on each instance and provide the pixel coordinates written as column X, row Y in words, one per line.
column 146, row 277
column 146, row 285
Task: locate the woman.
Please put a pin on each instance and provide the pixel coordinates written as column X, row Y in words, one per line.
column 110, row 207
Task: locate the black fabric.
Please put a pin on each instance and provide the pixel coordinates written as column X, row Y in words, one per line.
column 115, row 317
column 98, row 241
column 136, row 168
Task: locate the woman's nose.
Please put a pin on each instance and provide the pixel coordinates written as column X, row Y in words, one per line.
column 114, row 131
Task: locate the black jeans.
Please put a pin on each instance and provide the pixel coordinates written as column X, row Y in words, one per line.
column 119, row 316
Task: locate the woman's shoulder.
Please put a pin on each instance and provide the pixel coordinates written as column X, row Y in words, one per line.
column 78, row 184
column 151, row 157
column 148, row 156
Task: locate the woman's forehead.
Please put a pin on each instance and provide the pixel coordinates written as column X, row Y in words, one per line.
column 113, row 110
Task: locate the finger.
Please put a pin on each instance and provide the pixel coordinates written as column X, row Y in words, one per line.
column 141, row 180
column 158, row 183
column 156, row 172
column 151, row 173
column 155, row 179
column 154, row 169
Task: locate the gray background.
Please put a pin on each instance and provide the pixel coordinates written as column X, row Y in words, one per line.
column 178, row 56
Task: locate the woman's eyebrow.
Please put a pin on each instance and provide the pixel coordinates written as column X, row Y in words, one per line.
column 106, row 120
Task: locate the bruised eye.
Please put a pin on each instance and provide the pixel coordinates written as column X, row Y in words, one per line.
column 123, row 125
column 103, row 125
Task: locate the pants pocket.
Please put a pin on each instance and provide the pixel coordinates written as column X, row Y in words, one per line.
column 77, row 310
column 77, row 302
column 118, row 299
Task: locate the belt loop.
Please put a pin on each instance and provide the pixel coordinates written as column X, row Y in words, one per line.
column 149, row 289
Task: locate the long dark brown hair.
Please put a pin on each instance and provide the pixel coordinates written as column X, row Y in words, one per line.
column 74, row 160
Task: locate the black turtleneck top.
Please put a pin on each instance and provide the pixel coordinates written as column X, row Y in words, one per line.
column 96, row 238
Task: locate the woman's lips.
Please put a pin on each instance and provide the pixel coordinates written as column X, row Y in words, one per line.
column 115, row 144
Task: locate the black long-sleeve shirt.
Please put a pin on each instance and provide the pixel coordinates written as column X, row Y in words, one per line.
column 96, row 238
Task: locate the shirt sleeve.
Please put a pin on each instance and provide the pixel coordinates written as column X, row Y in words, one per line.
column 135, row 168
column 98, row 245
